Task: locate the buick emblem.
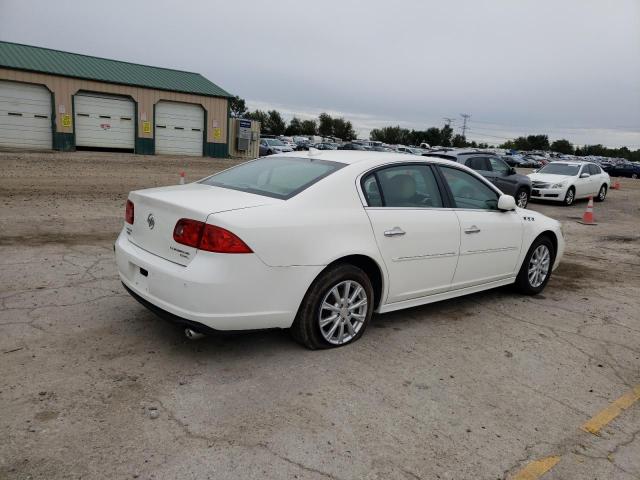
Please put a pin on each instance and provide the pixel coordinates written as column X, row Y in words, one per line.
column 151, row 221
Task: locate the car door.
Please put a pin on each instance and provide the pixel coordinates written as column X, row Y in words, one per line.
column 417, row 236
column 481, row 165
column 505, row 180
column 490, row 239
column 597, row 178
column 584, row 184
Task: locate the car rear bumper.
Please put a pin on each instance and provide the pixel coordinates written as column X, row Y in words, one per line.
column 218, row 291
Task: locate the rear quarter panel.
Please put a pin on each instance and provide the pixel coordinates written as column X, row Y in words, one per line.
column 325, row 222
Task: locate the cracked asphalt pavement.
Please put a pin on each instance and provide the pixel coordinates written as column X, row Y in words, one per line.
column 94, row 386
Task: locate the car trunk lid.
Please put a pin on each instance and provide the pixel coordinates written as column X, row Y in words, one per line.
column 157, row 210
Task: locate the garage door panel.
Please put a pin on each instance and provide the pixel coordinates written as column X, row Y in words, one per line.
column 179, row 128
column 104, row 122
column 25, row 116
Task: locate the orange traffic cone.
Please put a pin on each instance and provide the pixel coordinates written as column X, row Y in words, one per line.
column 587, row 216
column 616, row 185
column 181, row 178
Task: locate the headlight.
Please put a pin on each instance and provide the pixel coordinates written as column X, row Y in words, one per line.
column 558, row 185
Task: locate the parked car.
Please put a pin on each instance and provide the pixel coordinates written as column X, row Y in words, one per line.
column 512, row 160
column 567, row 181
column 325, row 146
column 269, row 146
column 409, row 150
column 495, row 170
column 631, row 170
column 351, row 146
column 318, row 242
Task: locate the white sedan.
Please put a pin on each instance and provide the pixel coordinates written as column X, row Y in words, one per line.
column 568, row 181
column 319, row 241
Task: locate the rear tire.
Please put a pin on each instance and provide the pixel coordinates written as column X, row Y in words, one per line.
column 327, row 318
column 602, row 194
column 570, row 197
column 535, row 271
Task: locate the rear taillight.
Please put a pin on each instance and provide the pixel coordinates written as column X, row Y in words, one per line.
column 216, row 239
column 128, row 214
column 208, row 237
column 188, row 232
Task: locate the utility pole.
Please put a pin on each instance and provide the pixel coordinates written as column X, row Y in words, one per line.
column 465, row 117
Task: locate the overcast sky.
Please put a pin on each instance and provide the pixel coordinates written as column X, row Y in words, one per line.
column 568, row 68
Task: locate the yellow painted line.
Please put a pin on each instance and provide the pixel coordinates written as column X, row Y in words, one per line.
column 537, row 468
column 612, row 411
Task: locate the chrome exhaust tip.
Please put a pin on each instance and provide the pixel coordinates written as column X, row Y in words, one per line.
column 192, row 334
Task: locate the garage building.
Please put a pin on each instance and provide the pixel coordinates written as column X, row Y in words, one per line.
column 51, row 99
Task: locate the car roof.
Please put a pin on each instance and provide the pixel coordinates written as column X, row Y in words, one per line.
column 369, row 157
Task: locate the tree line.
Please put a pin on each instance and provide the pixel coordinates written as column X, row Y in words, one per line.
column 272, row 123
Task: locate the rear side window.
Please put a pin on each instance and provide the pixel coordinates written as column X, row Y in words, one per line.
column 468, row 191
column 274, row 177
column 594, row 169
column 407, row 186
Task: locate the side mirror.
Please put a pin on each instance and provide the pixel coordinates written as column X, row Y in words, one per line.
column 506, row 203
column 512, row 171
column 584, row 175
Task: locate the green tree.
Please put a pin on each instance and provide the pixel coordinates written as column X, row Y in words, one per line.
column 459, row 141
column 325, row 125
column 432, row 136
column 446, row 133
column 309, row 127
column 538, row 142
column 275, row 123
column 563, row 146
column 294, row 127
column 392, row 135
column 343, row 129
column 237, row 107
column 261, row 117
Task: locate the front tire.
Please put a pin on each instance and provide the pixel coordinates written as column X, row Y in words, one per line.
column 602, row 194
column 336, row 309
column 522, row 198
column 570, row 197
column 536, row 268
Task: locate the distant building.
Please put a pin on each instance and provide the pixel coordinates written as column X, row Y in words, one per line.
column 51, row 99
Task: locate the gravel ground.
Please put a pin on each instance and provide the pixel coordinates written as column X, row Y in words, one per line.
column 94, row 386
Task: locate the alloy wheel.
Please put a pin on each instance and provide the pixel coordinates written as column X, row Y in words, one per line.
column 342, row 312
column 523, row 199
column 539, row 266
column 603, row 193
column 569, row 198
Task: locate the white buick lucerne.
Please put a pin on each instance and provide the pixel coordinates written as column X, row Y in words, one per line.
column 319, row 241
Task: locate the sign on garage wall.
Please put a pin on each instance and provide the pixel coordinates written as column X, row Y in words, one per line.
column 146, row 127
column 66, row 120
column 217, row 133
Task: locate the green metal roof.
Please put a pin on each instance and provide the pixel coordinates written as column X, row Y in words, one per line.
column 56, row 62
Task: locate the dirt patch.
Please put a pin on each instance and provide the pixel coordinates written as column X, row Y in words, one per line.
column 621, row 238
column 573, row 276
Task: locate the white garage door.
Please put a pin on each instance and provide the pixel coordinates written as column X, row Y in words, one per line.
column 25, row 116
column 179, row 128
column 104, row 122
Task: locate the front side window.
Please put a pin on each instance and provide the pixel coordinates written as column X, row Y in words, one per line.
column 468, row 191
column 275, row 177
column 499, row 166
column 594, row 169
column 407, row 186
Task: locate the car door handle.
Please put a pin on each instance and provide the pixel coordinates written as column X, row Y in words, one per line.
column 472, row 229
column 394, row 232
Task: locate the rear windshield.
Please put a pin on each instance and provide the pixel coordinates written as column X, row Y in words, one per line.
column 561, row 169
column 275, row 177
